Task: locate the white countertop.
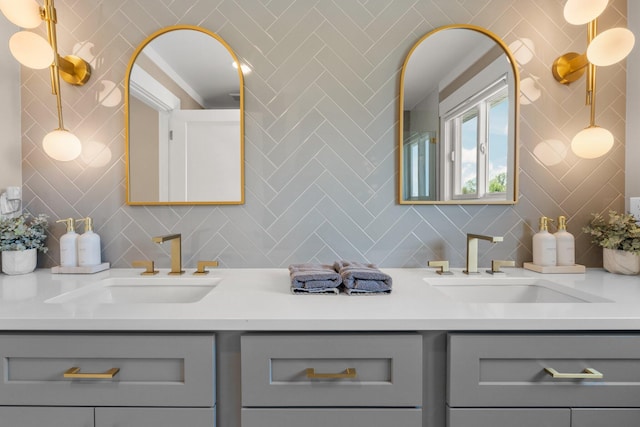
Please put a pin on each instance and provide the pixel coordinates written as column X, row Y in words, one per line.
column 260, row 300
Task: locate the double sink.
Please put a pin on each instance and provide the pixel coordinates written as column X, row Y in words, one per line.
column 509, row 290
column 141, row 290
column 187, row 290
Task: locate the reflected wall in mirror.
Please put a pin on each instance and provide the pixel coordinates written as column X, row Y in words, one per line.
column 184, row 120
column 458, row 123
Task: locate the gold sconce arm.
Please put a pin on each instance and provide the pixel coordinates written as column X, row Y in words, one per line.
column 605, row 49
column 60, row 144
column 74, row 70
column 569, row 67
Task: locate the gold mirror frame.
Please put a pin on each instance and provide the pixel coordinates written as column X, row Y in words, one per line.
column 127, row 110
column 516, row 111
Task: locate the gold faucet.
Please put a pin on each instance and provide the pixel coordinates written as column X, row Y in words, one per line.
column 202, row 267
column 148, row 265
column 442, row 267
column 496, row 264
column 176, row 251
column 472, row 250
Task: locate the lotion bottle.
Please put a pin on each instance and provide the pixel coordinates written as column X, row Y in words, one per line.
column 565, row 244
column 544, row 245
column 69, row 244
column 88, row 245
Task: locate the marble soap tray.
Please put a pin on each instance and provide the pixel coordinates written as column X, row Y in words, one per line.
column 556, row 269
column 80, row 270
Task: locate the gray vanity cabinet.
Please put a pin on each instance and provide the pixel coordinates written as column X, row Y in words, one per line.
column 316, row 380
column 112, row 379
column 570, row 380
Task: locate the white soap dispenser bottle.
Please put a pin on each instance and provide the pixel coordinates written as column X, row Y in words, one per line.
column 565, row 243
column 544, row 245
column 69, row 244
column 88, row 245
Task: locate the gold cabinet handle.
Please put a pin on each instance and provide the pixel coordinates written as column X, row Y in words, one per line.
column 588, row 373
column 75, row 373
column 347, row 373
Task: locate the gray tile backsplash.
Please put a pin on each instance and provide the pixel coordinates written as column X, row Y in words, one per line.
column 321, row 117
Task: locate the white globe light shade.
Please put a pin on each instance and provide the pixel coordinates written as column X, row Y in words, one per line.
column 610, row 46
column 579, row 12
column 592, row 142
column 61, row 145
column 23, row 13
column 31, row 50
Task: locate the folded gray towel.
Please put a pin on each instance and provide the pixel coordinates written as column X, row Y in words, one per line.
column 361, row 277
column 315, row 291
column 359, row 292
column 313, row 276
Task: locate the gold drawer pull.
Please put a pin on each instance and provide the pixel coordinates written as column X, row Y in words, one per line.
column 75, row 373
column 588, row 373
column 347, row 373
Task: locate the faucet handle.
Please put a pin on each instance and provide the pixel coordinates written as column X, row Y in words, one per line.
column 201, row 267
column 443, row 266
column 148, row 265
column 497, row 263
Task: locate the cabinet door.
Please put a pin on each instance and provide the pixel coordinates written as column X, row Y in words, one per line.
column 502, row 417
column 155, row 417
column 33, row 416
column 323, row 417
column 605, row 417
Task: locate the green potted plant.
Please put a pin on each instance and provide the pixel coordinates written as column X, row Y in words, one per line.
column 20, row 240
column 619, row 236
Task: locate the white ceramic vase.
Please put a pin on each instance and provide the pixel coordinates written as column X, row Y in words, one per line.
column 19, row 262
column 620, row 262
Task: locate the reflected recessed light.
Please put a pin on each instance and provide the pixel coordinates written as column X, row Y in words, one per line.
column 244, row 67
column 550, row 152
column 523, row 50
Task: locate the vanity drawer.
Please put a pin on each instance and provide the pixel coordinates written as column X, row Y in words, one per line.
column 16, row 416
column 502, row 417
column 332, row 370
column 155, row 417
column 352, row 417
column 508, row 370
column 154, row 370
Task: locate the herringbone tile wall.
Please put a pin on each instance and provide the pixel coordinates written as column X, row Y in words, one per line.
column 321, row 117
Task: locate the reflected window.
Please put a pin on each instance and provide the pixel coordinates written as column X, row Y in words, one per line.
column 477, row 139
column 418, row 156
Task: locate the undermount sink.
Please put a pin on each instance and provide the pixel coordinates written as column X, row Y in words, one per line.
column 134, row 290
column 509, row 290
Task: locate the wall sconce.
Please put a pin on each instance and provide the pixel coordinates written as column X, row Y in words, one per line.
column 606, row 48
column 33, row 51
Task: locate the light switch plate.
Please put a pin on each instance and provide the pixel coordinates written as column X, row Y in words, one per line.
column 634, row 207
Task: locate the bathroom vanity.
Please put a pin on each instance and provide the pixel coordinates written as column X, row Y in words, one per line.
column 246, row 352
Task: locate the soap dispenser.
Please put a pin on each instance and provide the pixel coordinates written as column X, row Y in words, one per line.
column 565, row 243
column 88, row 245
column 544, row 245
column 69, row 244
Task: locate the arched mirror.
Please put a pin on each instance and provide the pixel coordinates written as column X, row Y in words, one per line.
column 184, row 120
column 458, row 121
